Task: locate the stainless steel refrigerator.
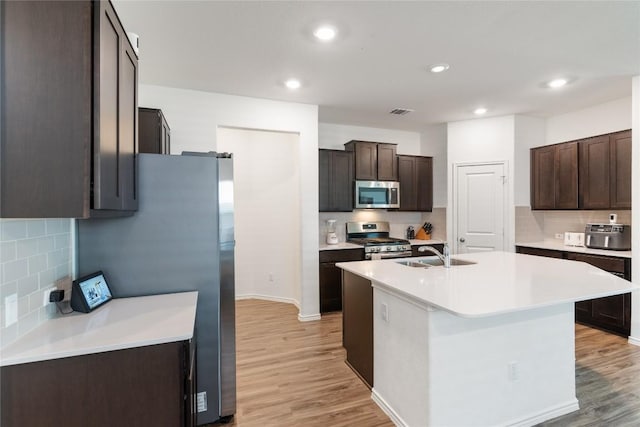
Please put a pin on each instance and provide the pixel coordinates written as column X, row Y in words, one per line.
column 180, row 239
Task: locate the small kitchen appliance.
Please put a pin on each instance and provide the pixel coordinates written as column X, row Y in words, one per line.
column 377, row 194
column 374, row 236
column 573, row 239
column 332, row 237
column 615, row 237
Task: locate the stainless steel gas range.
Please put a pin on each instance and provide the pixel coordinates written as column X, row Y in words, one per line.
column 374, row 236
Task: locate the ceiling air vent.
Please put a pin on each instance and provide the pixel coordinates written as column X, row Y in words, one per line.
column 400, row 111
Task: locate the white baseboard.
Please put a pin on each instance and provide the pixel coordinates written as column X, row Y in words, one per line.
column 634, row 341
column 523, row 422
column 301, row 318
column 550, row 413
column 393, row 415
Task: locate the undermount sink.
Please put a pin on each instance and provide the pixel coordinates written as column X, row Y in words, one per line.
column 433, row 262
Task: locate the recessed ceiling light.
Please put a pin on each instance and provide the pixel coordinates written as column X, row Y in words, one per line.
column 325, row 33
column 438, row 68
column 292, row 84
column 556, row 83
column 480, row 111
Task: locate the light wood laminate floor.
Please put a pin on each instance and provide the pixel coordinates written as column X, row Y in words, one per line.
column 292, row 373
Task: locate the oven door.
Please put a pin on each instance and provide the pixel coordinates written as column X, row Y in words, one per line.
column 377, row 195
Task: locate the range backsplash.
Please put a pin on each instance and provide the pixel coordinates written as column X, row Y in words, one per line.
column 398, row 221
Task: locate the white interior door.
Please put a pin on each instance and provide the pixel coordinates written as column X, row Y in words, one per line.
column 479, row 208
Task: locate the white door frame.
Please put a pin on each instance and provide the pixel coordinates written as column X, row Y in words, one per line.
column 506, row 236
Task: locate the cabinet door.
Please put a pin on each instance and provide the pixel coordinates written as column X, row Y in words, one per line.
column 128, row 119
column 407, row 177
column 620, row 183
column 594, row 173
column 543, row 178
column 366, row 161
column 45, row 80
column 116, row 131
column 566, row 175
column 150, row 131
column 387, row 163
column 330, row 287
column 424, row 179
column 335, row 179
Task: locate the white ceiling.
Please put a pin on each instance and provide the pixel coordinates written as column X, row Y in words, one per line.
column 501, row 54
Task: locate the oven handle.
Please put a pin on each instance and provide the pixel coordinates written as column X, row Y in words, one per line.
column 387, row 255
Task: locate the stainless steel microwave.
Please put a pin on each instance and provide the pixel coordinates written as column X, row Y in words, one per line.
column 377, row 195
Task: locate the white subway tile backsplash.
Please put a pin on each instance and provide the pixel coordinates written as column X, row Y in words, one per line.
column 56, row 226
column 46, row 244
column 47, row 278
column 7, row 251
column 37, row 263
column 14, row 270
column 11, row 229
column 35, row 228
column 26, row 247
column 28, row 285
column 62, row 241
column 34, row 253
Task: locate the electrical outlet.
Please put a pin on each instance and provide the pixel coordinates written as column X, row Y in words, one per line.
column 384, row 312
column 45, row 295
column 559, row 236
column 10, row 309
column 271, row 277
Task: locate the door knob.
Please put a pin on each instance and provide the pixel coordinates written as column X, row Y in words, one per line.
column 462, row 240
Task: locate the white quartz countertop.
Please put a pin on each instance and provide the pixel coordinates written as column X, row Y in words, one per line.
column 500, row 282
column 345, row 245
column 119, row 324
column 558, row 245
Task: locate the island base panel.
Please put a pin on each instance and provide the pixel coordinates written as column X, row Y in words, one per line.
column 434, row 368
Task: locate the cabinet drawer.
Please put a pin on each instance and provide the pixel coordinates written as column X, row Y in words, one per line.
column 614, row 265
column 340, row 255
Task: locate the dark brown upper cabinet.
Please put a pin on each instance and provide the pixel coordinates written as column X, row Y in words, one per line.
column 415, row 174
column 591, row 173
column 374, row 161
column 69, row 107
column 155, row 135
column 554, row 177
column 594, row 172
column 620, row 167
column 335, row 180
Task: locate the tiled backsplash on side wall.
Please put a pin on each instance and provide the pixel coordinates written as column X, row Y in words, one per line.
column 532, row 226
column 398, row 221
column 34, row 253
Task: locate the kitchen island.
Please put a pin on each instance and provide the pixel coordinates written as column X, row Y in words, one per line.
column 490, row 343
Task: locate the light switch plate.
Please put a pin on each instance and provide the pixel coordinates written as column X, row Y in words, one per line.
column 10, row 309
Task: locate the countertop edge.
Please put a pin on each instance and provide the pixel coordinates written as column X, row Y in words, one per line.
column 186, row 333
column 560, row 246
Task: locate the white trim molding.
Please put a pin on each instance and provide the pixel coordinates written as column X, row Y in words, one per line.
column 301, row 317
column 550, row 413
column 393, row 415
column 634, row 341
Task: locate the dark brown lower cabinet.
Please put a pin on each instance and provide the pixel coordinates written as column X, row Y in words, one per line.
column 331, row 276
column 357, row 325
column 613, row 313
column 139, row 386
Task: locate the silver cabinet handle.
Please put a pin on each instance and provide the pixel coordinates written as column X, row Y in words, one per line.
column 462, row 240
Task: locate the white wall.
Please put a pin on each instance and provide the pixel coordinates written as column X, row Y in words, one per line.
column 267, row 218
column 194, row 118
column 597, row 120
column 529, row 133
column 334, row 136
column 635, row 209
column 433, row 141
column 474, row 141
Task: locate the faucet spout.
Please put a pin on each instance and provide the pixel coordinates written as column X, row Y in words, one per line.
column 445, row 256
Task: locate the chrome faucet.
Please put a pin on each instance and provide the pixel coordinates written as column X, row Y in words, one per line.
column 445, row 256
